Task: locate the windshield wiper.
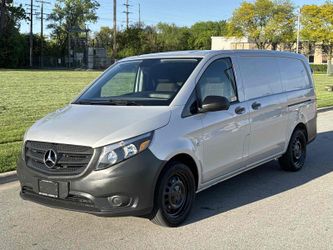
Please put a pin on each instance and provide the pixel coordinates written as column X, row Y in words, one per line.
column 123, row 102
column 86, row 102
column 108, row 102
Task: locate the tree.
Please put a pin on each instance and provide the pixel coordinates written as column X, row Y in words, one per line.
column 130, row 42
column 11, row 42
column 266, row 22
column 149, row 39
column 202, row 32
column 317, row 23
column 171, row 38
column 104, row 38
column 281, row 28
column 69, row 17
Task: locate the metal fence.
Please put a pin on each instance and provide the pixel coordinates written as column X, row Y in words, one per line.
column 94, row 58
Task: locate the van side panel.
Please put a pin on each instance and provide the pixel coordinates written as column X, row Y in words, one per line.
column 266, row 98
column 301, row 103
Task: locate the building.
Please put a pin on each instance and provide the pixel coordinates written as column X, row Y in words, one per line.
column 232, row 43
column 314, row 53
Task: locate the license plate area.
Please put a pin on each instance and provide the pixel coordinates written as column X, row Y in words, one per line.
column 48, row 188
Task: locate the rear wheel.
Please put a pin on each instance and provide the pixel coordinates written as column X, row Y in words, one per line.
column 174, row 195
column 294, row 158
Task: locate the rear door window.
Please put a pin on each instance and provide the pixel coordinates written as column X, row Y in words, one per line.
column 261, row 76
column 294, row 74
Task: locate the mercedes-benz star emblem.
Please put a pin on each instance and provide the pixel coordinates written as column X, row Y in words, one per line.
column 50, row 158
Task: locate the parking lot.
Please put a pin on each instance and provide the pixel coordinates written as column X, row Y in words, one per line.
column 263, row 208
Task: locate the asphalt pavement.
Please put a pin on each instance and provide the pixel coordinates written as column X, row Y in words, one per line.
column 265, row 208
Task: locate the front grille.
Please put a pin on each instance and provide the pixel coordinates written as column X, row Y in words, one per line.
column 71, row 159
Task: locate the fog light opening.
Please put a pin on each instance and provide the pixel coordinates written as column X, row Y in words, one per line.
column 119, row 201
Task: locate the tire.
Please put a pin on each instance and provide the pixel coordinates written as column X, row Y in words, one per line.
column 174, row 196
column 294, row 158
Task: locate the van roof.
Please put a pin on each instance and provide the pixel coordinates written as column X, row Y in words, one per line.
column 210, row 53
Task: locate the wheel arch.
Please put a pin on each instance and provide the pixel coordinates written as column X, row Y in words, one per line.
column 185, row 159
column 301, row 126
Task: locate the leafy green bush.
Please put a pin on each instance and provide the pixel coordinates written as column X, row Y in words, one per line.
column 319, row 68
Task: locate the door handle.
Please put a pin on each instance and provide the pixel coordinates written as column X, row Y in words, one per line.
column 256, row 105
column 240, row 110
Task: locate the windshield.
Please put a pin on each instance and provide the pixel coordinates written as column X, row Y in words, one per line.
column 145, row 82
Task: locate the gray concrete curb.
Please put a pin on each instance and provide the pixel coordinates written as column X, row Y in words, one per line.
column 320, row 110
column 8, row 177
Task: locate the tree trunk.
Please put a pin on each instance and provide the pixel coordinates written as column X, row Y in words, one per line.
column 259, row 44
column 329, row 60
column 2, row 16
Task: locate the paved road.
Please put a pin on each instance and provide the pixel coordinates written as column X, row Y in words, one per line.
column 263, row 208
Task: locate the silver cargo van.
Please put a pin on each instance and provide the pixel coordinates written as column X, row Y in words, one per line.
column 154, row 130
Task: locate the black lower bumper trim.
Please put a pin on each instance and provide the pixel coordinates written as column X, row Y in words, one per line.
column 73, row 206
column 57, row 202
column 132, row 182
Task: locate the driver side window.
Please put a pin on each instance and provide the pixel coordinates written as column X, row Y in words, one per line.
column 218, row 80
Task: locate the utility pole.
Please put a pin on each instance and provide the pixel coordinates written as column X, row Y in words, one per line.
column 298, row 31
column 31, row 33
column 31, row 13
column 42, row 2
column 139, row 15
column 69, row 48
column 127, row 5
column 114, row 51
column 87, row 47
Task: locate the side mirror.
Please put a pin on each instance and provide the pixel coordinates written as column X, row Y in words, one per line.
column 214, row 103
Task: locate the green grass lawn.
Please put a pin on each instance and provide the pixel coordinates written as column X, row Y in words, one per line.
column 26, row 96
column 324, row 98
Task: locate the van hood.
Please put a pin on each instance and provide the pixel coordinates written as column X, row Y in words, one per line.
column 96, row 126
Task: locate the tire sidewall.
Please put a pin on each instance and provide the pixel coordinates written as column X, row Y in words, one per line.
column 297, row 134
column 172, row 169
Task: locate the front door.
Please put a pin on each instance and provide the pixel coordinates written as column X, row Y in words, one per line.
column 224, row 132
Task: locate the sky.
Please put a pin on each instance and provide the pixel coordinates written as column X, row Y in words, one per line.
column 180, row 12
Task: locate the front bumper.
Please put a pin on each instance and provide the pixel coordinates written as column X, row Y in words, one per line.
column 126, row 188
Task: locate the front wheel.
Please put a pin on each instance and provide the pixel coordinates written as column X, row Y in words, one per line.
column 174, row 195
column 294, row 158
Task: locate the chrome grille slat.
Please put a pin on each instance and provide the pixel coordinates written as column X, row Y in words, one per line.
column 73, row 153
column 61, row 148
column 41, row 167
column 34, row 156
column 72, row 159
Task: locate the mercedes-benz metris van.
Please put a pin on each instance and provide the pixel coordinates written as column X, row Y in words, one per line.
column 154, row 130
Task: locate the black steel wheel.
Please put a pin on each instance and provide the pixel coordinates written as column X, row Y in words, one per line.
column 174, row 195
column 294, row 158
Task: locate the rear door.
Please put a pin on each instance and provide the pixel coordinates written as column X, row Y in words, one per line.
column 268, row 110
column 224, row 132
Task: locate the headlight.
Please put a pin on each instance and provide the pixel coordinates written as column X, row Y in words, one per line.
column 117, row 152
